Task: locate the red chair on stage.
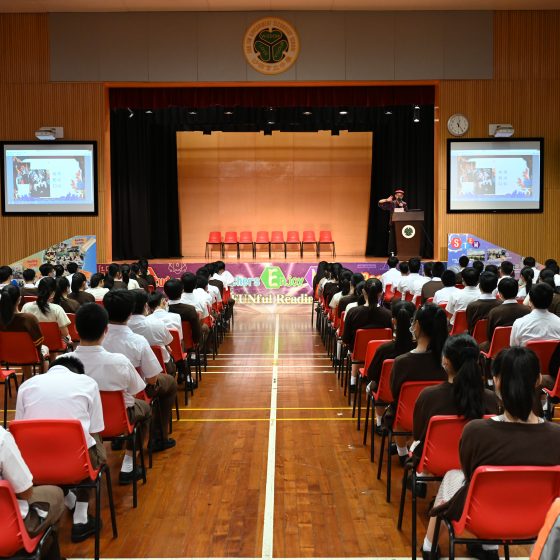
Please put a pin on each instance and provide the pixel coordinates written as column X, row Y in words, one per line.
column 262, row 239
column 292, row 238
column 544, row 350
column 460, row 323
column 325, row 238
column 309, row 239
column 246, row 238
column 277, row 238
column 230, row 238
column 480, row 333
column 214, row 238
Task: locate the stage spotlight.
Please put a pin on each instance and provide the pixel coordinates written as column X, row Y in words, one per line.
column 307, row 113
column 148, row 112
column 343, row 112
column 228, row 112
column 130, row 113
column 416, row 114
column 335, row 132
column 192, row 112
column 388, row 112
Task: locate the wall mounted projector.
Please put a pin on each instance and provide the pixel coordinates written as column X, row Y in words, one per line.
column 500, row 130
column 49, row 133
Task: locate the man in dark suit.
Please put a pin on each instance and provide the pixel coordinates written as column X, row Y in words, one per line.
column 435, row 284
column 479, row 308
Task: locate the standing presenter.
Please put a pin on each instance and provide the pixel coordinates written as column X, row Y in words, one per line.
column 395, row 203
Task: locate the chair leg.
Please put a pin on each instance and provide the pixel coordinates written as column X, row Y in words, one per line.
column 134, row 481
column 285, row 251
column 98, row 515
column 436, row 538
column 111, row 503
column 373, row 425
column 402, row 500
column 301, row 250
column 366, row 419
column 381, row 450
column 413, row 521
column 177, row 408
column 389, row 465
column 506, row 551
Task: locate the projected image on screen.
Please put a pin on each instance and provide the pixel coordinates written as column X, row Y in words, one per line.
column 48, row 178
column 495, row 176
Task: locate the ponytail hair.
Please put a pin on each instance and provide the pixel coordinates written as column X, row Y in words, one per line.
column 125, row 272
column 46, row 287
column 62, row 286
column 433, row 324
column 374, row 289
column 518, row 369
column 344, row 282
column 402, row 312
column 468, row 387
column 78, row 280
column 527, row 274
column 9, row 297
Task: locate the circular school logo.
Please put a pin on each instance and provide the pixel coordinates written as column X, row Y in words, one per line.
column 271, row 45
column 408, row 232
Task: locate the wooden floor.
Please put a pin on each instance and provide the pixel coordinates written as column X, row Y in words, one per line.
column 207, row 498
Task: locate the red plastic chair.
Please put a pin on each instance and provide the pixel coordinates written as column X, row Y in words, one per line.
column 6, row 376
column 180, row 357
column 151, row 289
column 14, row 536
column 500, row 340
column 292, row 238
column 191, row 348
column 480, row 332
column 506, row 505
column 544, row 350
column 277, row 238
column 159, row 355
column 460, row 324
column 119, row 428
column 262, row 239
column 72, row 331
column 402, row 424
column 17, row 349
column 431, row 300
column 230, row 238
column 214, row 238
column 388, row 295
column 246, row 238
column 309, row 239
column 56, row 453
column 53, row 337
column 325, row 238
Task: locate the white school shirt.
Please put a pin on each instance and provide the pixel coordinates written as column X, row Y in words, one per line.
column 29, row 285
column 540, row 324
column 214, row 291
column 169, row 319
column 97, row 292
column 391, row 276
column 557, row 280
column 133, row 284
column 154, row 331
column 403, row 284
column 461, row 299
column 111, row 372
column 203, row 296
column 191, row 299
column 55, row 313
column 225, row 277
column 335, row 300
column 121, row 340
column 62, row 394
column 444, row 294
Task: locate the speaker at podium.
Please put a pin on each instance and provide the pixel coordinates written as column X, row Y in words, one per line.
column 409, row 233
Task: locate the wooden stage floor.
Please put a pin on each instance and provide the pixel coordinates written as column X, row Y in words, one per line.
column 239, row 485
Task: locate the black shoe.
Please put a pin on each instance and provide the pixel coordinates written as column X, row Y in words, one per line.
column 117, row 444
column 128, row 477
column 428, row 555
column 402, row 459
column 394, row 449
column 379, row 431
column 163, row 445
column 476, row 551
column 352, row 389
column 81, row 531
column 421, row 487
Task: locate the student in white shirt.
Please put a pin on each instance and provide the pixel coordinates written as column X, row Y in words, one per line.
column 96, row 287
column 47, row 270
column 224, row 275
column 462, row 298
column 214, row 291
column 402, row 285
column 71, row 268
column 344, row 279
column 526, row 280
column 531, row 263
column 112, row 372
column 189, row 285
column 29, row 287
column 130, row 282
column 393, row 275
column 64, row 392
column 159, row 310
column 201, row 291
column 415, row 279
column 448, row 279
column 120, row 339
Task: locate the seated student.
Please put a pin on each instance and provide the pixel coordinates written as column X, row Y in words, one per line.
column 188, row 297
column 173, row 289
column 478, row 266
column 367, row 316
column 402, row 285
column 29, row 287
column 393, row 275
column 61, row 296
column 213, row 281
column 326, row 279
column 158, row 308
column 78, row 289
column 331, row 287
column 547, row 276
column 435, row 283
column 343, row 289
column 112, row 372
column 121, row 340
column 422, row 363
column 525, row 282
column 58, row 271
column 352, row 296
column 359, row 299
column 204, row 290
column 531, row 263
column 506, row 270
column 508, row 312
column 491, row 268
column 128, row 278
column 6, row 276
column 114, row 274
column 463, row 263
column 97, row 286
column 448, row 280
column 47, row 269
column 71, row 268
column 415, row 279
column 516, row 437
column 40, row 506
column 479, row 308
column 551, row 264
column 135, row 275
column 213, row 290
column 64, row 392
column 319, row 275
column 224, row 275
column 462, row 298
column 144, row 274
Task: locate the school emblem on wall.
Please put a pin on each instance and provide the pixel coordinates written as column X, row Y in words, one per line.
column 271, row 45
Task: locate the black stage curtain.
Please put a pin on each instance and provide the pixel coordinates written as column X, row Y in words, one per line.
column 145, row 204
column 403, row 156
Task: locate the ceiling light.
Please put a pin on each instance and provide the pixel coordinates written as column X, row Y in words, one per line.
column 307, row 113
column 228, row 112
column 388, row 112
column 148, row 112
column 192, row 113
column 343, row 112
column 271, row 122
column 416, row 115
column 130, row 113
column 417, row 107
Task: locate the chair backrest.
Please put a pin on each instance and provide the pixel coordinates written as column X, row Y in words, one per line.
column 371, row 349
column 72, row 328
column 544, row 350
column 230, row 237
column 430, row 300
column 53, row 337
column 480, row 331
column 407, row 399
column 388, row 294
column 27, row 299
column 55, row 451
column 460, row 324
column 408, row 296
column 187, row 334
column 115, row 416
column 277, row 237
column 384, row 393
column 363, row 336
column 442, row 304
column 262, row 237
column 325, row 237
column 175, row 346
column 441, row 445
column 500, row 340
column 17, row 348
column 292, row 237
column 159, row 355
column 151, row 289
column 246, row 237
column 309, row 236
column 509, row 503
column 215, row 237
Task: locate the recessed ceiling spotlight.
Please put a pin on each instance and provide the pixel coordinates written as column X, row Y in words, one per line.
column 192, row 112
column 343, row 112
column 148, row 112
column 271, row 122
column 388, row 112
column 228, row 112
column 307, row 113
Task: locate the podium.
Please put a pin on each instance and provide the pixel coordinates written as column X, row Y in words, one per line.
column 409, row 233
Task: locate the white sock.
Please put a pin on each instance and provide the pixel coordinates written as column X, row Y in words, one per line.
column 490, row 547
column 80, row 513
column 127, row 463
column 70, row 500
column 378, row 420
column 352, row 381
column 427, row 546
column 402, row 451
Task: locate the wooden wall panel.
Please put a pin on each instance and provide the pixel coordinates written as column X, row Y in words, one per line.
column 248, row 181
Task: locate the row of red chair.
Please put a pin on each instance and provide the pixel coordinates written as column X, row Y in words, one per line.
column 245, row 239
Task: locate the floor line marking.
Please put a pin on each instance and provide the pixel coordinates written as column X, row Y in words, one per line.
column 326, row 419
column 265, row 408
column 268, row 525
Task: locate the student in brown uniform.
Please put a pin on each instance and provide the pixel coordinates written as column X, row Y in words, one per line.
column 516, row 437
column 430, row 288
column 29, row 287
column 61, row 296
column 479, row 308
column 78, row 287
column 352, row 296
column 173, row 289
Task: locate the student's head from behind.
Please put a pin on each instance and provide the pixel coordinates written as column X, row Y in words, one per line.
column 140, row 302
column 5, row 274
column 357, row 277
column 402, row 313
column 203, row 271
column 72, row 267
column 529, row 261
column 119, row 305
column 62, row 289
column 414, row 265
column 516, row 372
column 360, row 293
column 448, row 279
column 28, row 275
column 373, row 290
column 220, row 266
column 429, row 269
column 113, row 270
column 189, row 282
column 470, row 276
column 506, row 268
column 58, row 270
column 9, row 299
column 478, row 266
column 69, row 362
column 96, row 280
column 392, row 262
column 91, row 322
column 438, row 268
column 526, row 277
column 463, row 261
column 173, row 289
column 508, row 288
column 551, row 264
column 430, row 322
column 46, row 269
column 157, row 301
column 491, row 268
column 541, row 296
column 202, row 281
column 403, row 268
column 488, row 282
column 79, row 282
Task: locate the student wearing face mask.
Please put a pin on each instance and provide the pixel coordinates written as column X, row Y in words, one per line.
column 394, row 203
